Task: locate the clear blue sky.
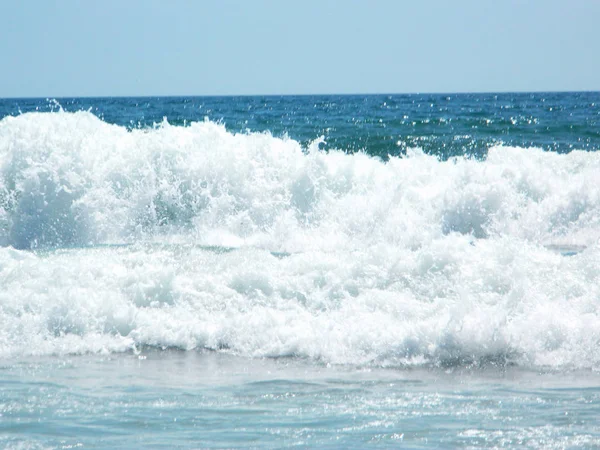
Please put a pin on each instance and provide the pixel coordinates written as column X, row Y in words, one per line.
column 53, row 48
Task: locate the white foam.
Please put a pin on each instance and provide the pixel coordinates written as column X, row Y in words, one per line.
column 342, row 258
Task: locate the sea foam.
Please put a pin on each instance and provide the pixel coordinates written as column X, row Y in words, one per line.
column 194, row 237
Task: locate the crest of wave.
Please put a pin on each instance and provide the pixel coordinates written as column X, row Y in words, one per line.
column 70, row 179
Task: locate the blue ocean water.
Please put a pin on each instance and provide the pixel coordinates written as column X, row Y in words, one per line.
column 418, row 271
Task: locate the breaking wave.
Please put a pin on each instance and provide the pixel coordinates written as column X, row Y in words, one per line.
column 194, row 237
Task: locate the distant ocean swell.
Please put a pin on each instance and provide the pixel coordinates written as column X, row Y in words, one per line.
column 198, row 238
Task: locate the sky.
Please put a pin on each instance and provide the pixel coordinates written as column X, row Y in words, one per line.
column 58, row 48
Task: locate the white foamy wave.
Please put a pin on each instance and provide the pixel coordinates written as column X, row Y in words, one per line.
column 251, row 244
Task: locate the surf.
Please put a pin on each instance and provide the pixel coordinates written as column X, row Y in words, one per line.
column 109, row 238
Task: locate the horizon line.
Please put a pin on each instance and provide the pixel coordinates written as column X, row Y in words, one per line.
column 48, row 97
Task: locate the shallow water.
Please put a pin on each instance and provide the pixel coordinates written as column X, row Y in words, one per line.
column 214, row 400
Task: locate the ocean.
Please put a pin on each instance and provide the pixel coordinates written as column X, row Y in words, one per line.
column 389, row 271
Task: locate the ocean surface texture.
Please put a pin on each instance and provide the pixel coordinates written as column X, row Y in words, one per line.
column 415, row 271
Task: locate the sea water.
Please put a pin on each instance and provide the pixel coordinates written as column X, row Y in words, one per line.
column 418, row 271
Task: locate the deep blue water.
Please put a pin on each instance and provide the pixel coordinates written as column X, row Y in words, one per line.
column 417, row 271
column 382, row 125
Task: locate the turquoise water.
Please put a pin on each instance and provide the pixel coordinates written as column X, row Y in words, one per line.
column 210, row 400
column 418, row 271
